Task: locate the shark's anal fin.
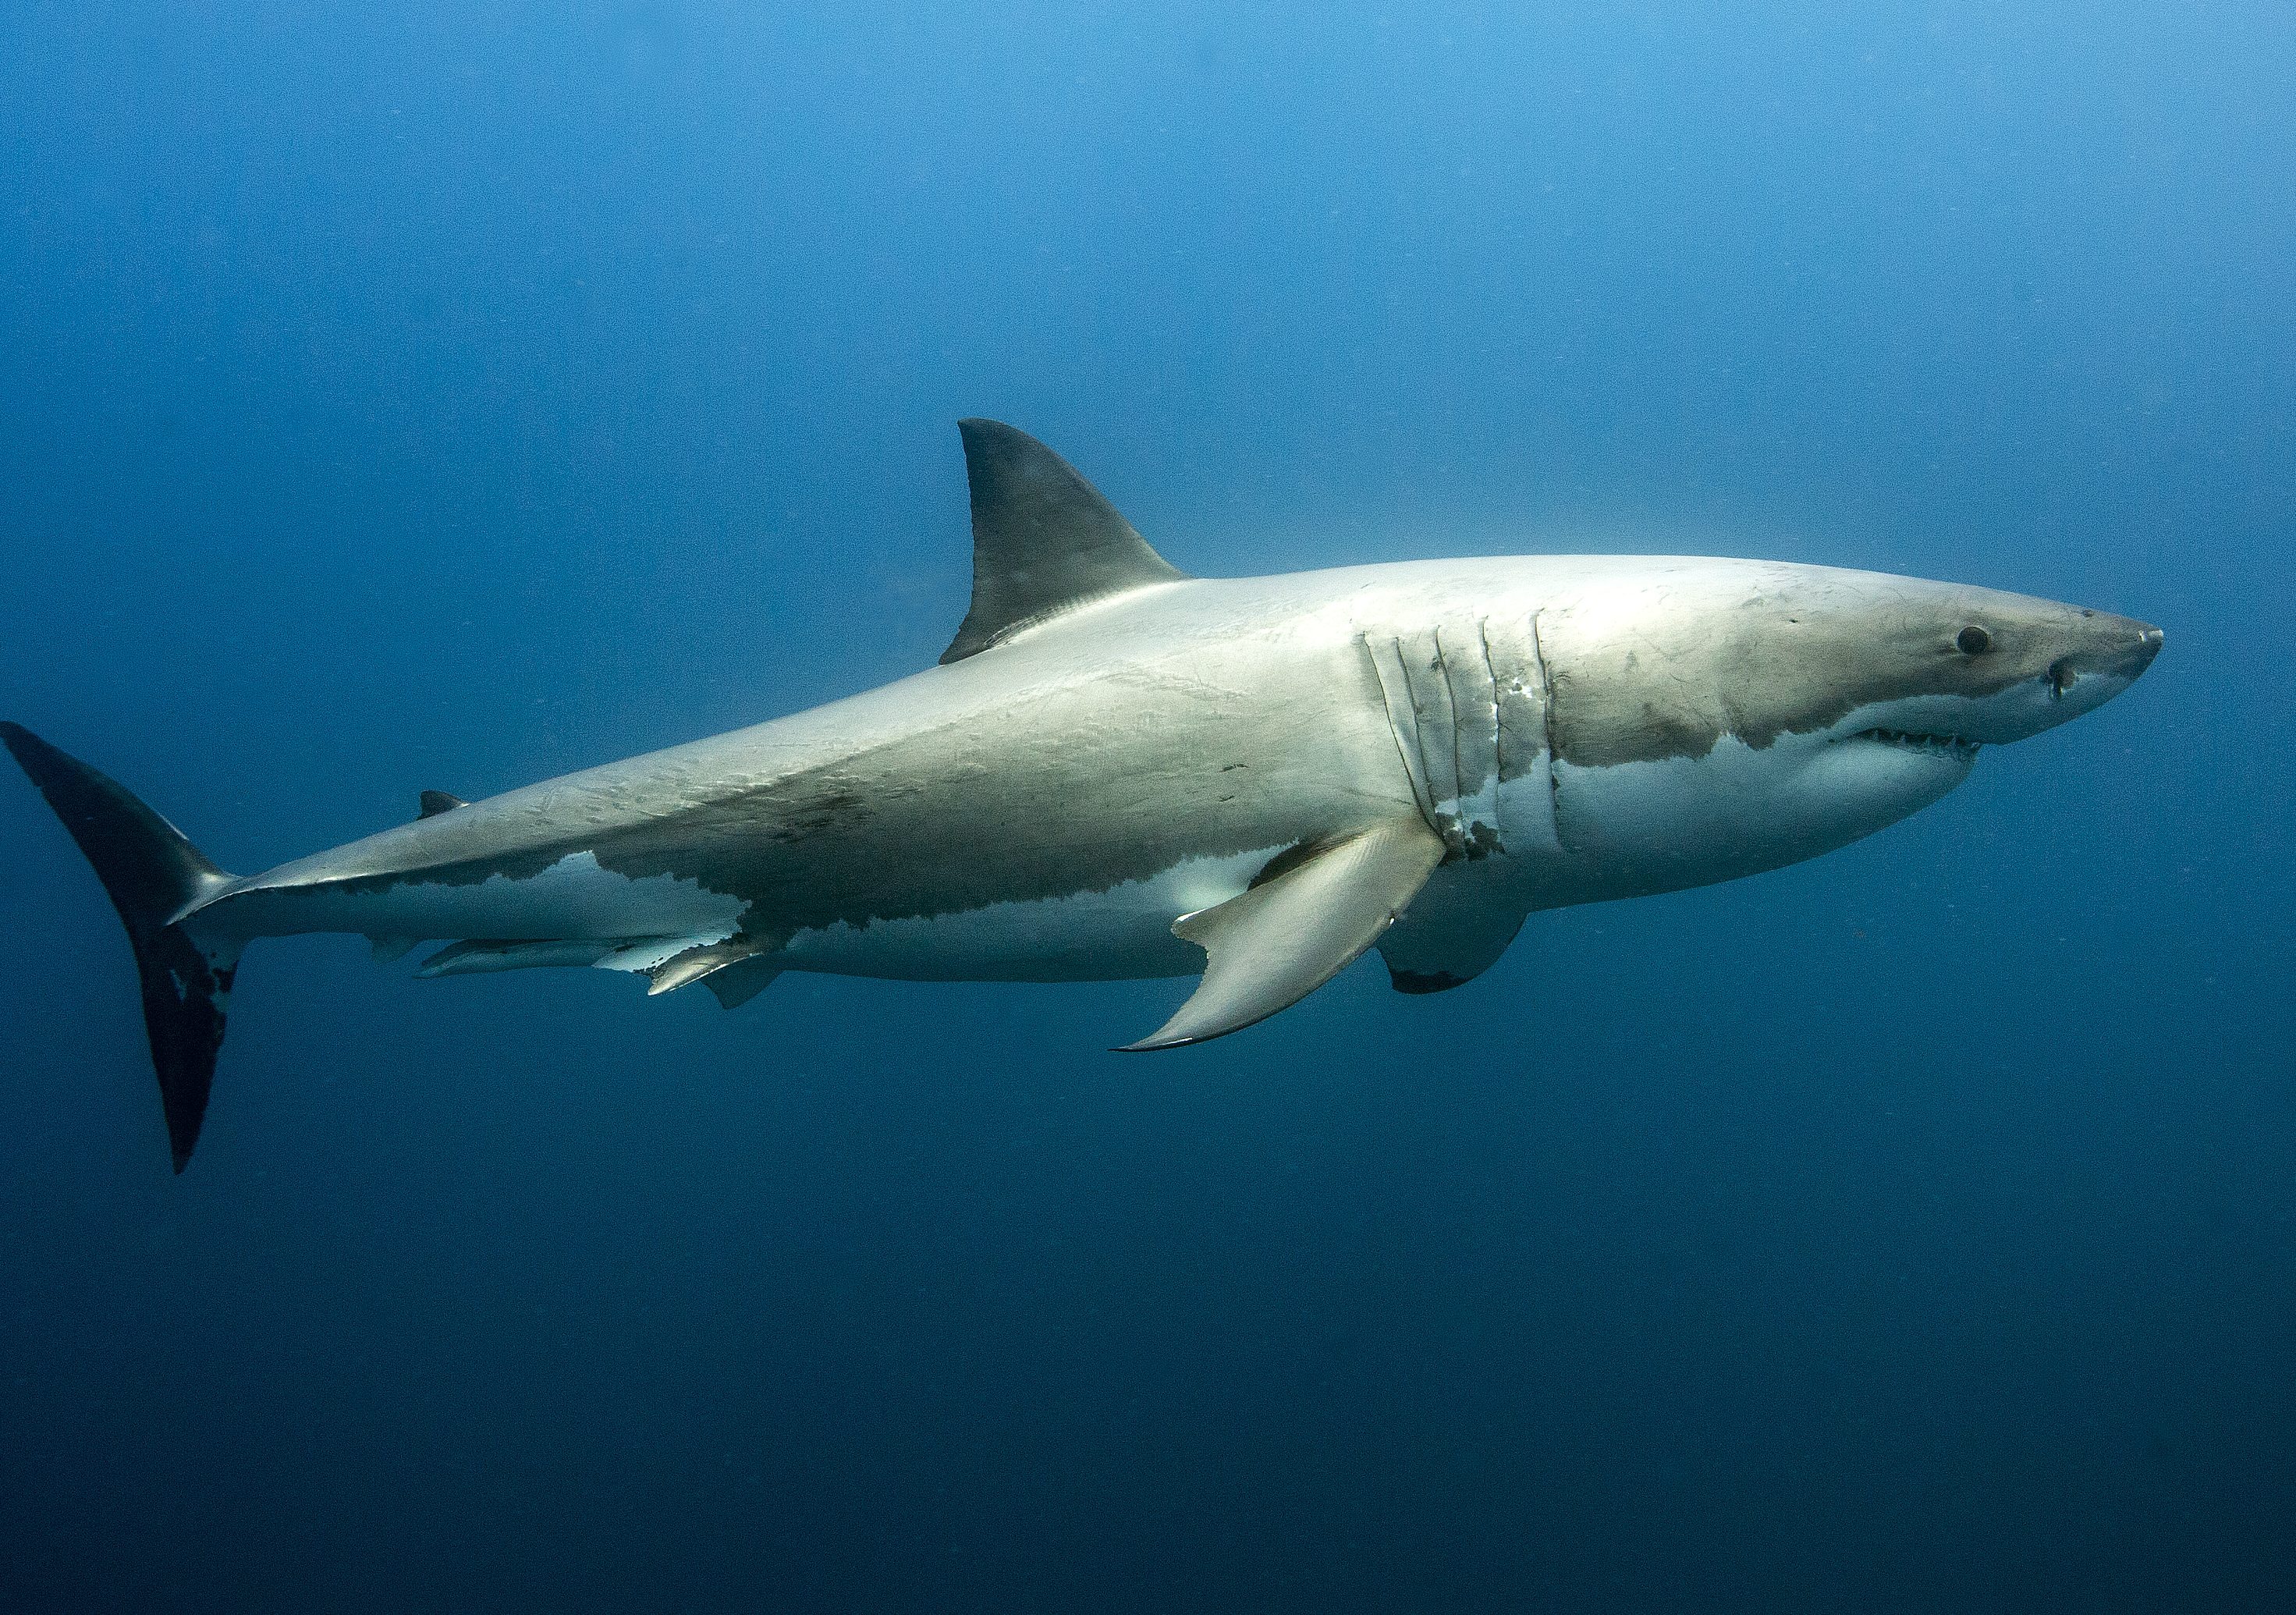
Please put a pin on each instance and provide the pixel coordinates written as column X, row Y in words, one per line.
column 435, row 802
column 1044, row 539
column 1273, row 945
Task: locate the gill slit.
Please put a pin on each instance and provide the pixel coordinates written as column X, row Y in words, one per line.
column 1451, row 700
column 1546, row 722
column 1547, row 701
column 1491, row 679
column 1414, row 773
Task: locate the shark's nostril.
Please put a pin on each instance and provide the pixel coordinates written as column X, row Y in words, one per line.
column 2128, row 651
column 2139, row 656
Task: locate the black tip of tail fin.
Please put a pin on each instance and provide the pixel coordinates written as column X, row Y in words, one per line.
column 154, row 878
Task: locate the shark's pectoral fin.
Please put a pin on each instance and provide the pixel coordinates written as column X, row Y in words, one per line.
column 1448, row 939
column 1276, row 943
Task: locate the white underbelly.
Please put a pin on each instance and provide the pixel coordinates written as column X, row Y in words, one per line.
column 1122, row 932
column 1636, row 828
column 574, row 897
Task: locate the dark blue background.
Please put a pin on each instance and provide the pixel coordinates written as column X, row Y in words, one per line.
column 406, row 398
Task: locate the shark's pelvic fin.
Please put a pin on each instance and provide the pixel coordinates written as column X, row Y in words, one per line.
column 484, row 954
column 1276, row 943
column 735, row 967
column 1044, row 539
column 703, row 959
column 436, row 802
column 1446, row 939
column 737, row 983
column 156, row 879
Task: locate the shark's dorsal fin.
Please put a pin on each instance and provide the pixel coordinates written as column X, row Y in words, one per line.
column 1269, row 947
column 1044, row 540
column 436, row 802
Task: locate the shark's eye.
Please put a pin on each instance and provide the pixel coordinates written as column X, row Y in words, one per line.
column 1973, row 641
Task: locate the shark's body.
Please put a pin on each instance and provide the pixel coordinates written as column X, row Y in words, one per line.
column 1047, row 812
column 1119, row 771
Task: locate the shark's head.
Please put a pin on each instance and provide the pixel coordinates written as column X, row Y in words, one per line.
column 1927, row 674
column 1737, row 715
column 1948, row 665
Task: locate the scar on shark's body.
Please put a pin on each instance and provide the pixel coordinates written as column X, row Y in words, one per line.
column 1120, row 771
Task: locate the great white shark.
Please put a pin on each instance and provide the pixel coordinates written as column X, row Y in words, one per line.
column 1120, row 771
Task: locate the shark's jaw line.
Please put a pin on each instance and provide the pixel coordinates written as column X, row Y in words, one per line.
column 1117, row 770
column 1905, row 740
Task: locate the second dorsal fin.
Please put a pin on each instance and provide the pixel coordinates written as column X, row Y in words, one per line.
column 1044, row 540
column 436, row 802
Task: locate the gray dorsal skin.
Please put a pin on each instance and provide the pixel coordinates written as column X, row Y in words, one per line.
column 1281, row 940
column 1044, row 539
column 1249, row 779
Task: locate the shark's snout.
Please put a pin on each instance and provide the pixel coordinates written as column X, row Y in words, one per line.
column 2105, row 655
column 2100, row 656
column 2122, row 648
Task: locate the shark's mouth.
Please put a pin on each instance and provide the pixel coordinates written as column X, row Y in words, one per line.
column 1931, row 745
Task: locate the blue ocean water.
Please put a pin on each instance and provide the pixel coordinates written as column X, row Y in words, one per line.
column 425, row 395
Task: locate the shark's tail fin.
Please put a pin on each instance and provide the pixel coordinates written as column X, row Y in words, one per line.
column 156, row 879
